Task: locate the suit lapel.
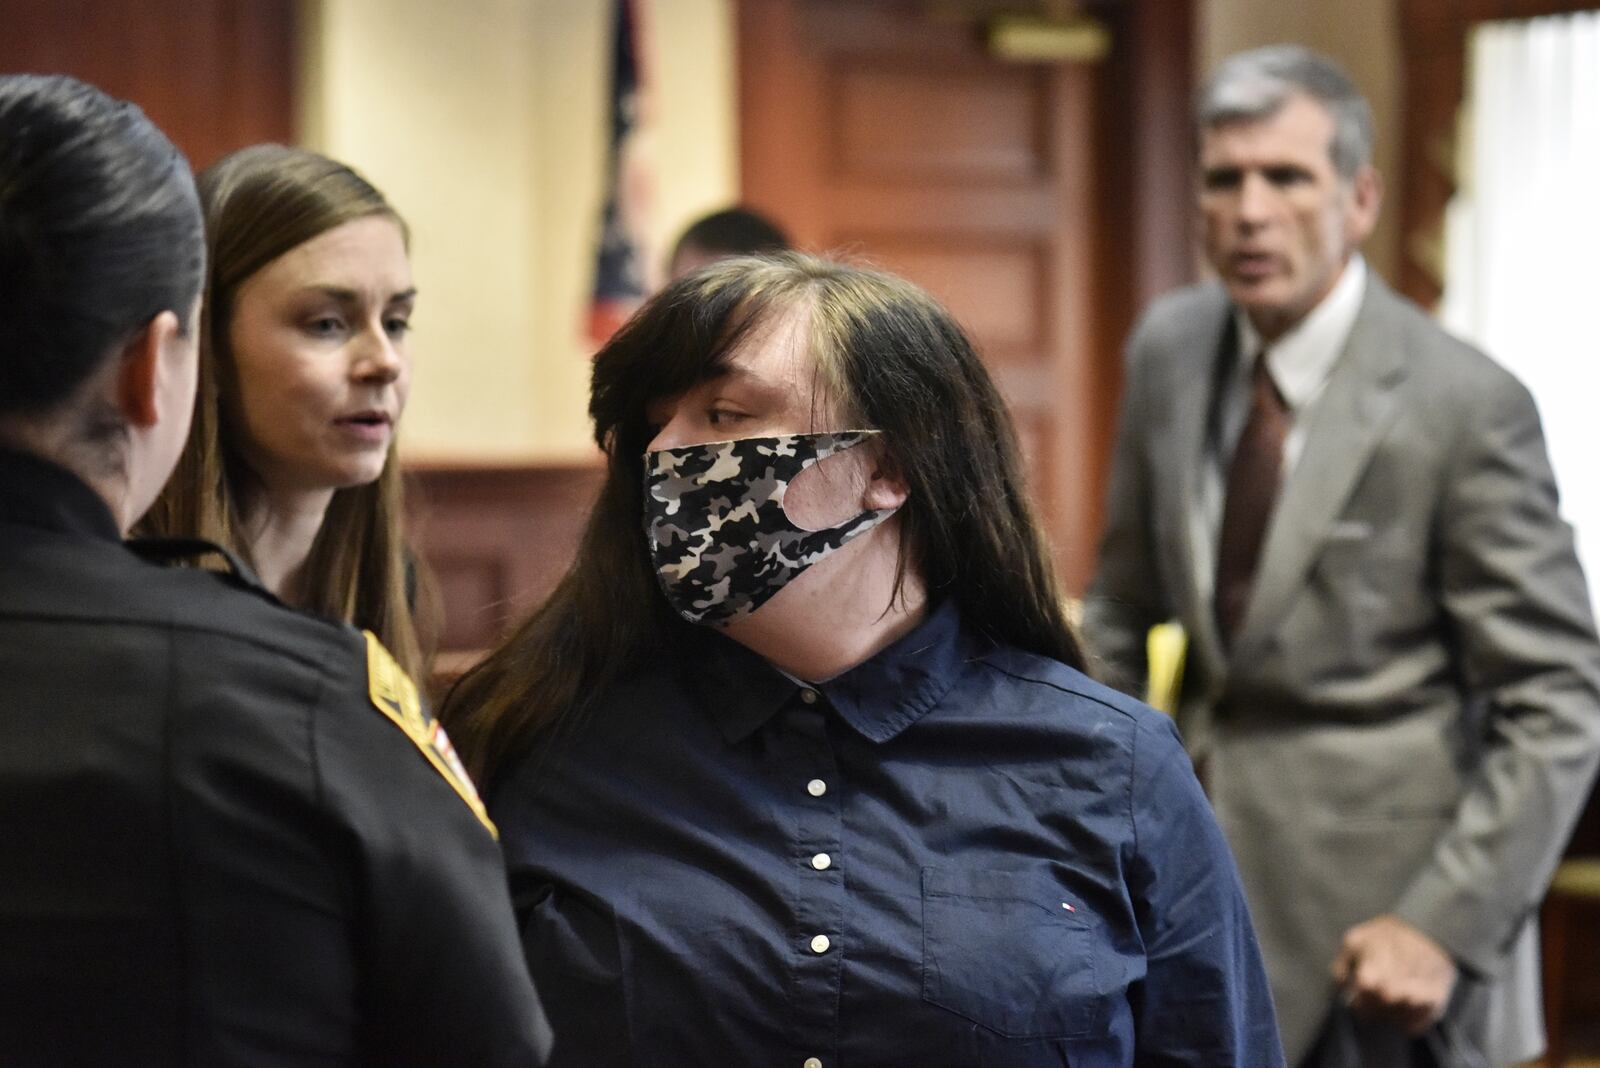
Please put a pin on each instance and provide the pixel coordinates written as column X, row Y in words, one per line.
column 1344, row 426
column 1187, row 447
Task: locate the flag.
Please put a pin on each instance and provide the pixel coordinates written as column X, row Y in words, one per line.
column 622, row 259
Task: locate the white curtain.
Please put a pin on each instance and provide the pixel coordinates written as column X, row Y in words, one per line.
column 1522, row 274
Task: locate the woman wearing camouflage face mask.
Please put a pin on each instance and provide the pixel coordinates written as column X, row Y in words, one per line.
column 797, row 766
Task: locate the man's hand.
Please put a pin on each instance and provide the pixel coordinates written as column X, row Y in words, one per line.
column 1390, row 970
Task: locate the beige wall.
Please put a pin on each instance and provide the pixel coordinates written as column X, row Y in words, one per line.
column 484, row 123
column 1362, row 35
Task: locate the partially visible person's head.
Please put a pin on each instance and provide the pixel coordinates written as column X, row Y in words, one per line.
column 305, row 372
column 1255, row 85
column 1288, row 191
column 730, row 232
column 101, row 262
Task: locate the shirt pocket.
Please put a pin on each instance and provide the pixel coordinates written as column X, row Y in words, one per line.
column 1002, row 949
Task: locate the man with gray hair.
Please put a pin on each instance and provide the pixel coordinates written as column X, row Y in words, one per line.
column 1393, row 683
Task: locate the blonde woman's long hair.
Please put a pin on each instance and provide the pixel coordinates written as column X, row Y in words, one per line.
column 259, row 203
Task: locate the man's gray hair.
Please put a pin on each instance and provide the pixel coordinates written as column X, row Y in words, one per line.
column 1253, row 85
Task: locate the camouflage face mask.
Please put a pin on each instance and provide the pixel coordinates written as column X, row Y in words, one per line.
column 719, row 537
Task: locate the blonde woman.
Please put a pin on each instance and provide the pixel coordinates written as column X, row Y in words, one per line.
column 304, row 376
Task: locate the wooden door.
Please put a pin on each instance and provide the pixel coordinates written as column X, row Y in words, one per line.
column 884, row 133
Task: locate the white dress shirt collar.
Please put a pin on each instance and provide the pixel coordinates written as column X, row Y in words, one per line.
column 1301, row 360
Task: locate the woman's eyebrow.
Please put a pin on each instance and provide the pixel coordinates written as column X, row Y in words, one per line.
column 346, row 295
column 751, row 379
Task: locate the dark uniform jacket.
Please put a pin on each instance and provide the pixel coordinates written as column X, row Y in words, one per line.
column 228, row 832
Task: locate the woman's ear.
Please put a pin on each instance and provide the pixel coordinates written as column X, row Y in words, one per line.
column 886, row 485
column 140, row 370
column 155, row 364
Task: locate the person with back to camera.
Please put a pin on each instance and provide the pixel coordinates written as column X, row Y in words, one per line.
column 304, row 374
column 796, row 766
column 1393, row 681
column 736, row 231
column 230, row 833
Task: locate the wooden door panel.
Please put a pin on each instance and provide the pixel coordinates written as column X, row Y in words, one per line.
column 967, row 273
column 887, row 135
column 934, row 208
column 962, row 124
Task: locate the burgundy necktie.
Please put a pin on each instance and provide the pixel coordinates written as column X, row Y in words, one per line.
column 1253, row 478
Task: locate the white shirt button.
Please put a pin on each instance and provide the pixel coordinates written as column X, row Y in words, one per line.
column 820, row 944
column 822, row 862
column 816, row 787
column 808, row 696
column 812, row 1062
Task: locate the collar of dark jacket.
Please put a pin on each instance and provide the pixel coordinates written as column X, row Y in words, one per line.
column 36, row 492
column 877, row 699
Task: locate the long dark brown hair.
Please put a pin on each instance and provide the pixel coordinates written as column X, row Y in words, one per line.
column 895, row 361
column 259, row 203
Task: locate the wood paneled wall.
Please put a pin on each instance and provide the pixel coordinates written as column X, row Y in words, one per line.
column 497, row 539
column 216, row 75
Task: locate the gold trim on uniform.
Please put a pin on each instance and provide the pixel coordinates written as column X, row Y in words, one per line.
column 396, row 696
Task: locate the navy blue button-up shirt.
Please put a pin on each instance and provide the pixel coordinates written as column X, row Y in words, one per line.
column 954, row 854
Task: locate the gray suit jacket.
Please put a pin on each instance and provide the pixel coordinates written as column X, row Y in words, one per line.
column 1410, row 717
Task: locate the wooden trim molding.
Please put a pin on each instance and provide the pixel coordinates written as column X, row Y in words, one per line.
column 1144, row 186
column 1434, row 35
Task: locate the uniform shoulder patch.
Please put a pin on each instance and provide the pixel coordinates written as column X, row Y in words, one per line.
column 395, row 695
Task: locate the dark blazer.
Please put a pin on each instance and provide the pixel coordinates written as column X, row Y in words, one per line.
column 1410, row 717
column 216, row 845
